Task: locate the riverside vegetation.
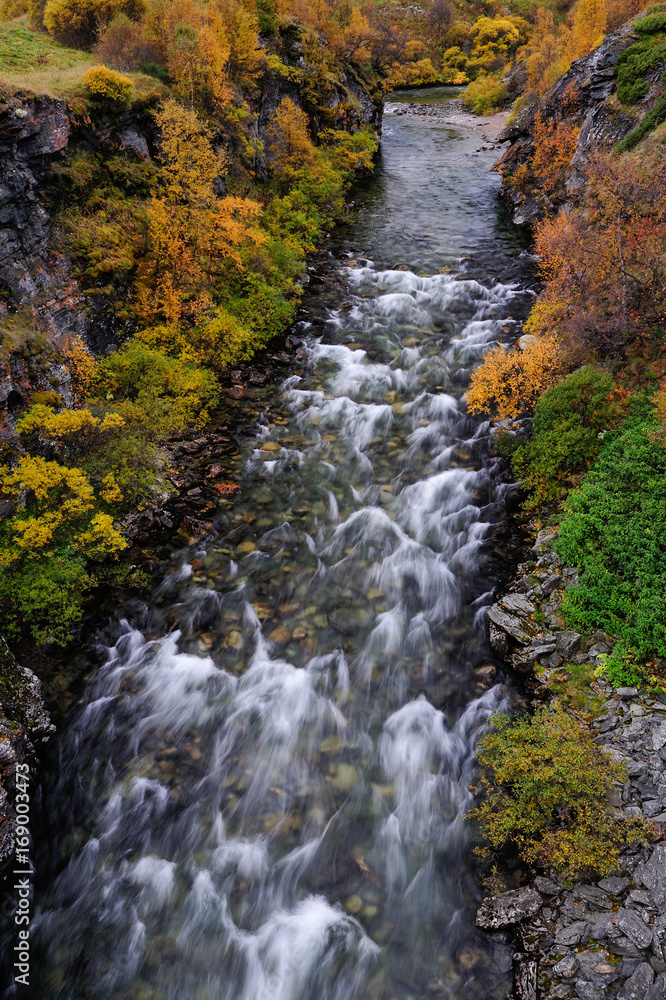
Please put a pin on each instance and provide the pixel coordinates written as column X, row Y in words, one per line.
column 578, row 404
column 193, row 274
column 194, row 257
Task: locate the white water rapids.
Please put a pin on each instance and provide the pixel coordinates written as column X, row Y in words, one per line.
column 268, row 793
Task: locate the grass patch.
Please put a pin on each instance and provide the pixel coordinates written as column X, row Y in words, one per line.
column 33, row 62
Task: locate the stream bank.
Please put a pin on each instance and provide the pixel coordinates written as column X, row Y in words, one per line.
column 590, row 940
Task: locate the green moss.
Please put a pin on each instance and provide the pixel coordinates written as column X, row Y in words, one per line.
column 572, row 686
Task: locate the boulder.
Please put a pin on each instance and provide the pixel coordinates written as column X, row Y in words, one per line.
column 508, row 909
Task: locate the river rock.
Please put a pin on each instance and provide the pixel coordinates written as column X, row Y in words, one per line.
column 613, row 885
column 507, row 909
column 658, row 989
column 568, row 643
column 572, row 934
column 525, row 978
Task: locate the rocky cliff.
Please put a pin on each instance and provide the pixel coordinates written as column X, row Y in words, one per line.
column 584, row 99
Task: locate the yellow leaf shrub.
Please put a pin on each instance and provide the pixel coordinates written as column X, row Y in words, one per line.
column 509, row 381
column 107, row 84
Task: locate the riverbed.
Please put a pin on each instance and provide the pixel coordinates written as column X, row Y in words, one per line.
column 262, row 795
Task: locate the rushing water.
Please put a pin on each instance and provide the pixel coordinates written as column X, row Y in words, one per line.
column 262, row 796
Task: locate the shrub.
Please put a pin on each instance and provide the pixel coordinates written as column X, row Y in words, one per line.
column 105, row 84
column 614, row 530
column 653, row 118
column 485, row 94
column 59, row 530
column 509, row 381
column 124, row 45
column 544, row 785
column 651, row 23
column 634, row 63
column 78, row 22
column 172, row 393
column 570, row 420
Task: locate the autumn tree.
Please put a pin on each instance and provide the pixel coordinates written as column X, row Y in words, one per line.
column 195, row 235
column 79, row 22
column 589, row 26
column 604, row 261
column 195, row 47
column 439, row 18
column 289, row 143
column 126, row 45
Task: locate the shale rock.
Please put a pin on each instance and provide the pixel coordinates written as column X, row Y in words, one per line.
column 509, row 908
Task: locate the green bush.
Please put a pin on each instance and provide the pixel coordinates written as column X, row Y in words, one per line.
column 648, row 124
column 172, row 393
column 614, row 530
column 544, row 789
column 651, row 23
column 570, row 420
column 634, row 63
column 47, row 595
column 485, row 94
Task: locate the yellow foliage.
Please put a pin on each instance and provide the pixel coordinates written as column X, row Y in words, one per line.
column 77, row 428
column 78, row 22
column 111, row 492
column 63, row 510
column 82, row 366
column 215, row 341
column 589, row 26
column 509, row 381
column 101, row 82
column 288, row 141
column 194, row 235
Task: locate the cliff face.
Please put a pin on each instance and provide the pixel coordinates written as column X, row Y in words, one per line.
column 24, row 725
column 584, row 99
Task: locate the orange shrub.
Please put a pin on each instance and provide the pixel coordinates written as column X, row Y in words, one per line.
column 509, row 381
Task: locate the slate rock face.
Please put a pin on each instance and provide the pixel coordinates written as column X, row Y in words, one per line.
column 24, row 723
column 601, row 124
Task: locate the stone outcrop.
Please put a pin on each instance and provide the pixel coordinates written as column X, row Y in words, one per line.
column 584, row 98
column 608, row 939
column 24, row 725
column 32, row 134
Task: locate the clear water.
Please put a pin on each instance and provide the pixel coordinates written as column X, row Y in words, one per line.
column 262, row 797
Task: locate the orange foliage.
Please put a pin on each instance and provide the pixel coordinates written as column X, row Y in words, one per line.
column 288, row 141
column 554, row 147
column 604, row 261
column 195, row 47
column 509, row 381
column 194, row 235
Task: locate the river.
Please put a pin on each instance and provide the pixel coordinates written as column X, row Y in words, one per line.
column 262, row 795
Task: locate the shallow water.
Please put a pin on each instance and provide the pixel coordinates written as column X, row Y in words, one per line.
column 262, row 797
